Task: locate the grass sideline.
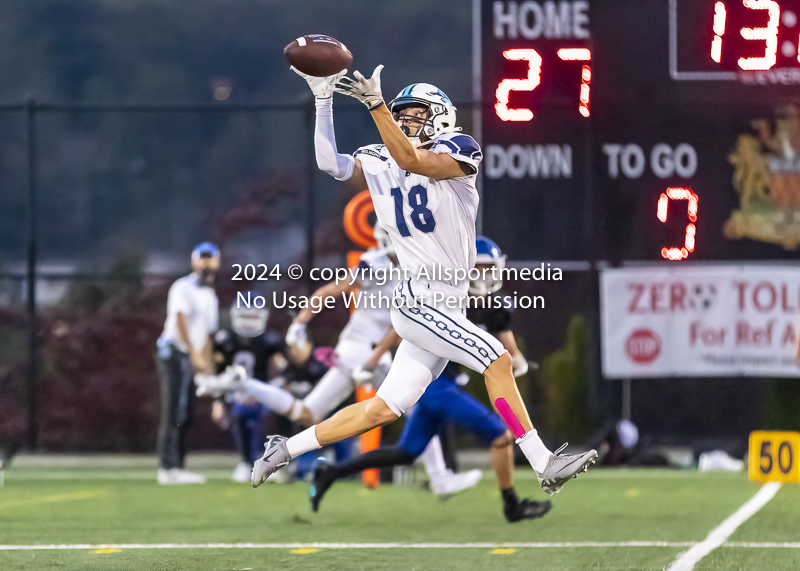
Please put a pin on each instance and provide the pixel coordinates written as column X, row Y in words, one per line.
column 606, row 506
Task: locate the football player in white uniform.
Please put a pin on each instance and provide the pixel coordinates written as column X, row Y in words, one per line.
column 422, row 183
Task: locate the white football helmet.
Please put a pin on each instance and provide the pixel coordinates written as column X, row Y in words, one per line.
column 250, row 322
column 441, row 111
column 384, row 242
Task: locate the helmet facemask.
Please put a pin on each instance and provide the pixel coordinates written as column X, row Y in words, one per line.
column 488, row 282
column 406, row 121
column 249, row 322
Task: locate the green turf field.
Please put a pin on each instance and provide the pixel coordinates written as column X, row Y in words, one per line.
column 87, row 508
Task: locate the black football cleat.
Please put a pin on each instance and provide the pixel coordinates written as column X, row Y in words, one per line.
column 322, row 477
column 526, row 509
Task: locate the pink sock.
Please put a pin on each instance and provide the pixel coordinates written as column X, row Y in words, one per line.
column 511, row 419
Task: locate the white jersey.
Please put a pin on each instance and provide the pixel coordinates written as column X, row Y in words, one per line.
column 200, row 307
column 431, row 222
column 370, row 322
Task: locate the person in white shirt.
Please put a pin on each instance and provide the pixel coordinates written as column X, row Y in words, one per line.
column 184, row 349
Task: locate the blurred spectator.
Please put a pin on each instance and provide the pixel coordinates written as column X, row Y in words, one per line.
column 185, row 348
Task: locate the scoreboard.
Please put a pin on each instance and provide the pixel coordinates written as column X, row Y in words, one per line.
column 641, row 130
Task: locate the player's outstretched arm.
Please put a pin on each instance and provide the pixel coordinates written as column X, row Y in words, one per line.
column 366, row 372
column 329, row 160
column 411, row 159
column 332, row 289
column 296, row 334
column 389, row 340
column 408, row 158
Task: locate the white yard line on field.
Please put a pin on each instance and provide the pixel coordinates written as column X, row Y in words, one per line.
column 547, row 545
column 783, row 545
column 686, row 561
column 636, row 474
column 81, row 546
column 105, row 475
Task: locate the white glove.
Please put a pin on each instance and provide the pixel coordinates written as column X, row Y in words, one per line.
column 520, row 364
column 296, row 335
column 361, row 375
column 367, row 91
column 321, row 86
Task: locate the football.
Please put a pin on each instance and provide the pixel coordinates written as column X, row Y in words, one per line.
column 318, row 55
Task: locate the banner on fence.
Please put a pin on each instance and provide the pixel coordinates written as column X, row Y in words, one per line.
column 700, row 321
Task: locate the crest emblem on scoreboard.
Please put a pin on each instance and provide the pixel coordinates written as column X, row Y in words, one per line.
column 767, row 178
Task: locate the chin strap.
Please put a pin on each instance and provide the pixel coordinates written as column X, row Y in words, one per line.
column 417, row 143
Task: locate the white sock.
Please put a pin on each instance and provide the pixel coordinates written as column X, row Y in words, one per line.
column 433, row 459
column 304, row 442
column 535, row 450
column 272, row 397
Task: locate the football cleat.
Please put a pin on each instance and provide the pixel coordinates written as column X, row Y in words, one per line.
column 178, row 476
column 230, row 380
column 276, row 456
column 526, row 509
column 563, row 467
column 322, row 477
column 453, row 483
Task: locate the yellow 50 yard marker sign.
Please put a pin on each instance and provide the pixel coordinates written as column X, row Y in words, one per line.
column 774, row 456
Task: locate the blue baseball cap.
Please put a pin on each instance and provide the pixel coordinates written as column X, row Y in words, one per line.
column 205, row 250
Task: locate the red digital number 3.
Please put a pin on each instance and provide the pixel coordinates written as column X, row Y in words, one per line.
column 769, row 35
column 674, row 193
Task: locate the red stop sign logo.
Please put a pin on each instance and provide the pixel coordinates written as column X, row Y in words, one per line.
column 643, row 346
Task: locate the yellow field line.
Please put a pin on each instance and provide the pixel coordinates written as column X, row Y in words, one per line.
column 55, row 498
